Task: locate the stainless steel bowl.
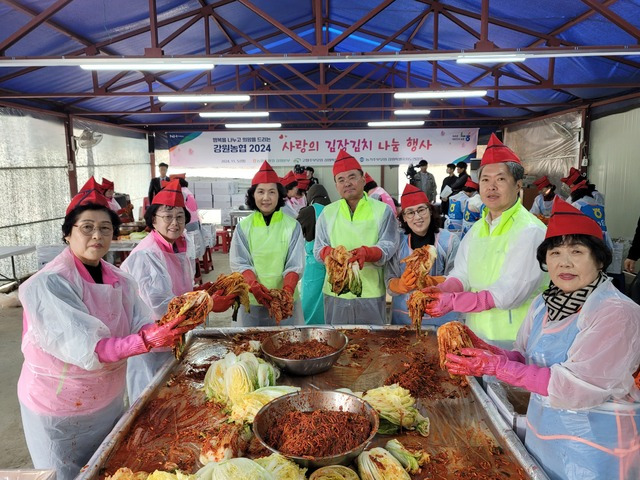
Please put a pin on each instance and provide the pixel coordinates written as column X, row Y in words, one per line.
column 308, row 401
column 310, row 366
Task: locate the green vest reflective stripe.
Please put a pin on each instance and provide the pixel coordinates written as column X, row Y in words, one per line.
column 353, row 232
column 269, row 246
column 487, row 252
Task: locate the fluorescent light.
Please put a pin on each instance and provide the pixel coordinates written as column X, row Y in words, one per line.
column 251, row 126
column 397, row 123
column 498, row 58
column 439, row 94
column 414, row 111
column 241, row 114
column 203, row 98
column 146, row 66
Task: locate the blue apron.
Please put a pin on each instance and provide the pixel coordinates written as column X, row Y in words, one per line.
column 455, row 215
column 583, row 444
column 312, row 281
column 399, row 311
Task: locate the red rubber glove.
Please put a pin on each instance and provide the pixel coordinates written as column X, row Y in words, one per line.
column 325, row 252
column 464, row 302
column 204, row 286
column 114, row 349
column 290, row 282
column 257, row 289
column 513, row 355
column 365, row 254
column 404, row 284
column 167, row 335
column 478, row 362
column 222, row 303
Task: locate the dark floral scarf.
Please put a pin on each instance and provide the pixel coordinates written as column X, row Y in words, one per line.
column 560, row 305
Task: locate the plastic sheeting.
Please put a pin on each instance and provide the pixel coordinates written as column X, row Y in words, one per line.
column 550, row 146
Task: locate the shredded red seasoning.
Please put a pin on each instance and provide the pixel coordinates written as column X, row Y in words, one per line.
column 320, row 433
column 304, row 350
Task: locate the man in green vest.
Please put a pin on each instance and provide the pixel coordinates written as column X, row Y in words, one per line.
column 496, row 274
column 368, row 229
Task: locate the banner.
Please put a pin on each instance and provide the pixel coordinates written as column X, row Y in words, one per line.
column 320, row 147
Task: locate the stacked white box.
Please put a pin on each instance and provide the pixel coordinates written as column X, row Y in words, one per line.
column 238, row 199
column 205, row 202
column 201, row 189
column 222, row 201
column 224, row 187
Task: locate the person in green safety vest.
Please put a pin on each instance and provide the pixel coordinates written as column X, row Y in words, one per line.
column 368, row 229
column 268, row 249
column 495, row 275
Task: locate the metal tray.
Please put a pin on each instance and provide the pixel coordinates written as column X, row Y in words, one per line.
column 463, row 420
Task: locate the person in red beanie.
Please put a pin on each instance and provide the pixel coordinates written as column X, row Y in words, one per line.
column 544, row 200
column 268, row 249
column 574, row 177
column 82, row 320
column 368, row 229
column 576, row 352
column 420, row 227
column 163, row 270
column 495, row 276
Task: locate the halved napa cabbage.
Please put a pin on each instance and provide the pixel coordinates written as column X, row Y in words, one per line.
column 282, row 468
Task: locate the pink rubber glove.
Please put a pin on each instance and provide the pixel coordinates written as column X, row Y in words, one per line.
column 113, row 349
column 167, row 335
column 365, row 254
column 464, row 302
column 451, row 285
column 479, row 343
column 222, row 303
column 290, row 281
column 257, row 289
column 478, row 362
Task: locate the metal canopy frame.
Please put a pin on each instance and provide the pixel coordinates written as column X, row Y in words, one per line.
column 319, row 95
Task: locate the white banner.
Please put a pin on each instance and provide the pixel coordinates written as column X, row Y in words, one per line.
column 320, row 147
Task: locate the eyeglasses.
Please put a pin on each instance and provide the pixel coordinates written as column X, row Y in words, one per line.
column 88, row 229
column 422, row 211
column 169, row 219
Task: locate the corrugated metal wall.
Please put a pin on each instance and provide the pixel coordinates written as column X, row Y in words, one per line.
column 614, row 167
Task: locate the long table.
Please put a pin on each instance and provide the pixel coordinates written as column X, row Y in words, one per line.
column 12, row 252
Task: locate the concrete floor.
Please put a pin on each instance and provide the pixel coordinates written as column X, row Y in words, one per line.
column 13, row 449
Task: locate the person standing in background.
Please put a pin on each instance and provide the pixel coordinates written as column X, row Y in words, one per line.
column 448, row 181
column 309, row 171
column 541, row 207
column 463, row 176
column 576, row 176
column 634, row 251
column 473, row 207
column 425, row 181
column 156, row 183
column 314, row 271
column 378, row 193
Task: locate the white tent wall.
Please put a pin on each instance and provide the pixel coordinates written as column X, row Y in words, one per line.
column 122, row 156
column 614, row 167
column 34, row 182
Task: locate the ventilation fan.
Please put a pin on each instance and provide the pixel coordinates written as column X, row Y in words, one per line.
column 88, row 139
column 565, row 130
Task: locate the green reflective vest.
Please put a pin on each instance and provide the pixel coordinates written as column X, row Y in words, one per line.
column 355, row 231
column 269, row 246
column 487, row 252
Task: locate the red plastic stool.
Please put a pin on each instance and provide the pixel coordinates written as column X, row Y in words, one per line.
column 206, row 264
column 223, row 241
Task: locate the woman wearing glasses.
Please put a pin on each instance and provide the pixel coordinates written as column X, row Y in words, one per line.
column 420, row 229
column 163, row 271
column 82, row 319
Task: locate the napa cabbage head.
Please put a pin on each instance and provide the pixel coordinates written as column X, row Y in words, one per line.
column 395, row 405
column 234, row 469
column 282, row 468
column 410, row 460
column 214, row 386
column 246, row 407
column 378, row 464
column 334, row 472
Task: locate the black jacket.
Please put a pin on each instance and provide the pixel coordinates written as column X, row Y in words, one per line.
column 155, row 187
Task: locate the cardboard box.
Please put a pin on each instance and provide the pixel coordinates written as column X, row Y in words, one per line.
column 220, row 187
column 221, row 201
column 204, row 190
column 205, row 202
column 238, row 199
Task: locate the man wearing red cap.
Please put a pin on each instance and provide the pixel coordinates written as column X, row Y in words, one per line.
column 496, row 275
column 420, row 228
column 376, row 192
column 368, row 229
column 163, row 269
column 473, row 207
column 576, row 352
column 542, row 203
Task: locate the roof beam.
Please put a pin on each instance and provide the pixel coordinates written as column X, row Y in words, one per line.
column 614, row 18
column 32, row 24
column 355, row 26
